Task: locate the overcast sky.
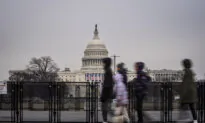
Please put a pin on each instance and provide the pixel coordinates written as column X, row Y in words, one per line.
column 160, row 33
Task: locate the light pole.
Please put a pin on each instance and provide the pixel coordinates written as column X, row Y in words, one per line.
column 114, row 56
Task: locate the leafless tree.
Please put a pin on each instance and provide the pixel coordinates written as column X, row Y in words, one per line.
column 43, row 69
column 39, row 69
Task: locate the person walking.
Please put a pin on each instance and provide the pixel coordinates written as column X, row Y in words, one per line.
column 123, row 71
column 107, row 89
column 120, row 90
column 140, row 88
column 188, row 90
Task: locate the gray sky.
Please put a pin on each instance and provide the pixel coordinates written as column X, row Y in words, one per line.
column 160, row 33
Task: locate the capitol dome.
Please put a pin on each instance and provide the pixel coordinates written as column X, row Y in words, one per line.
column 96, row 43
column 94, row 53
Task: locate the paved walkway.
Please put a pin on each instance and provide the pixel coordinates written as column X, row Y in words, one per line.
column 79, row 116
column 66, row 116
column 158, row 115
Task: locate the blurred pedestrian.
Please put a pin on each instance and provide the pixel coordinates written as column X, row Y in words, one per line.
column 188, row 90
column 120, row 90
column 123, row 71
column 140, row 88
column 107, row 89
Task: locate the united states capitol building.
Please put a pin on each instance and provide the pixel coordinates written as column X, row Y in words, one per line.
column 92, row 67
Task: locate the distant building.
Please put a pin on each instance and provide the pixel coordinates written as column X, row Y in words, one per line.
column 166, row 75
column 92, row 69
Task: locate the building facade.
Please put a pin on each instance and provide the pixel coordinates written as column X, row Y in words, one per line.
column 92, row 67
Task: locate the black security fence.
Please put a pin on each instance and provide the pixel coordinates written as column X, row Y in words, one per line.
column 163, row 99
column 49, row 101
column 61, row 101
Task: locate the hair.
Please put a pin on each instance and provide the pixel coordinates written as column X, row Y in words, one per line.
column 120, row 65
column 107, row 62
column 122, row 70
column 140, row 65
column 187, row 63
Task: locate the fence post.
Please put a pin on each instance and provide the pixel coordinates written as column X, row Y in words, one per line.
column 201, row 102
column 50, row 102
column 166, row 102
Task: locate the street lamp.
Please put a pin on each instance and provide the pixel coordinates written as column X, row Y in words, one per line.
column 114, row 56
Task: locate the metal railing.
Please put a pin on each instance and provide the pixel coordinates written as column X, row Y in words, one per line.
column 56, row 97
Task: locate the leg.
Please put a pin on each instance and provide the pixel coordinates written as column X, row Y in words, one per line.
column 104, row 110
column 193, row 111
column 184, row 115
column 110, row 111
column 126, row 117
column 140, row 107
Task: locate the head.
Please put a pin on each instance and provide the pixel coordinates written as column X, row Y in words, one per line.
column 107, row 62
column 187, row 63
column 120, row 67
column 139, row 66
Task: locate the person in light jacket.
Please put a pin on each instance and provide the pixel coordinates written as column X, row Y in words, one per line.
column 120, row 90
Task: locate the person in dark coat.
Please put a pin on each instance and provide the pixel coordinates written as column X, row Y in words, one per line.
column 140, row 84
column 107, row 88
column 188, row 89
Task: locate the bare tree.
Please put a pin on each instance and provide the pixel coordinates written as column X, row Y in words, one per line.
column 43, row 69
column 20, row 76
column 39, row 69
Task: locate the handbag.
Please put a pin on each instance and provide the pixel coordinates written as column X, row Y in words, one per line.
column 120, row 115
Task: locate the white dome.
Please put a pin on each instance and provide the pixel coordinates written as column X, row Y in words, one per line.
column 93, row 54
column 96, row 44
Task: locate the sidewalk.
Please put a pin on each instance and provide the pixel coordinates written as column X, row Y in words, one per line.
column 66, row 116
column 158, row 115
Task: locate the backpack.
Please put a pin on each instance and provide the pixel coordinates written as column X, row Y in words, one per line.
column 141, row 82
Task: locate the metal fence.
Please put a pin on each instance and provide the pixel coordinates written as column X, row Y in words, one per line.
column 56, row 98
column 52, row 98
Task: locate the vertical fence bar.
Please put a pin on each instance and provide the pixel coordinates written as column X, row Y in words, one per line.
column 162, row 102
column 13, row 102
column 170, row 101
column 201, row 102
column 17, row 101
column 50, row 102
column 92, row 102
column 21, row 101
column 88, row 102
column 132, row 102
column 54, row 101
column 96, row 102
column 59, row 97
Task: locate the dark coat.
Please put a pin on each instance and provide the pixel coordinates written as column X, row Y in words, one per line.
column 107, row 87
column 188, row 88
column 141, row 83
